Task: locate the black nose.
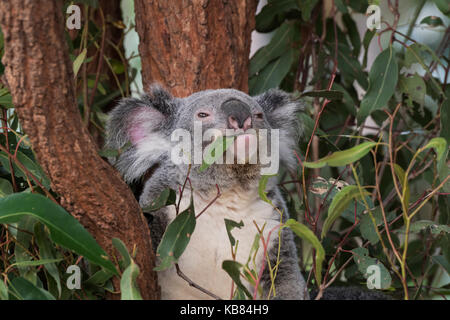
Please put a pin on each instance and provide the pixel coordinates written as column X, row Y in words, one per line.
column 238, row 114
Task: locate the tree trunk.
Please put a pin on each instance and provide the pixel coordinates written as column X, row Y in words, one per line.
column 39, row 75
column 195, row 45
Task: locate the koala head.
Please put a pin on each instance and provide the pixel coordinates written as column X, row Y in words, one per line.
column 150, row 125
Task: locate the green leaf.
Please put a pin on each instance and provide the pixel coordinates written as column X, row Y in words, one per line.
column 364, row 261
column 443, row 6
column 64, row 229
column 306, row 234
column 176, row 238
column 3, row 291
column 6, row 101
column 100, row 277
column 420, row 225
column 233, row 269
column 262, row 188
column 215, row 150
column 439, row 145
column 328, row 94
column 414, row 87
column 273, row 74
column 308, row 125
column 368, row 36
column 45, row 252
column 307, row 6
column 92, row 3
column 367, row 227
column 273, row 14
column 432, row 21
column 5, row 188
column 348, row 65
column 166, row 198
column 420, row 53
column 128, row 287
column 340, row 202
column 122, row 248
column 382, row 82
column 353, row 33
column 24, row 236
column 445, row 120
column 279, row 44
column 28, row 291
column 230, row 225
column 35, row 262
column 400, row 173
column 347, row 100
column 78, row 62
column 442, row 262
column 342, row 158
column 29, row 164
column 341, row 6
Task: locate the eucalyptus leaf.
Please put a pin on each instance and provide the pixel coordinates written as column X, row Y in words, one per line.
column 340, row 202
column 128, row 287
column 342, row 158
column 28, row 291
column 365, row 263
column 46, row 252
column 306, row 234
column 382, row 82
column 5, row 188
column 176, row 238
column 215, row 150
column 79, row 61
column 272, row 74
column 230, row 225
column 432, row 21
column 64, row 229
column 166, row 198
column 122, row 248
column 233, row 269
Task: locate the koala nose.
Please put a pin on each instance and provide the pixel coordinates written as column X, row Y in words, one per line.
column 238, row 114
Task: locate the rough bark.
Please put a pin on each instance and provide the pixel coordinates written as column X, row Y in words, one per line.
column 39, row 74
column 195, row 45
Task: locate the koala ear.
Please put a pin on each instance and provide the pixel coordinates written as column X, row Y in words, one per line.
column 281, row 113
column 279, row 107
column 135, row 119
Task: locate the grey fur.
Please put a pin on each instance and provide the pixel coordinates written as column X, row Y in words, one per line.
column 157, row 114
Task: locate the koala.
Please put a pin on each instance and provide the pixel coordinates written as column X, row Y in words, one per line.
column 147, row 124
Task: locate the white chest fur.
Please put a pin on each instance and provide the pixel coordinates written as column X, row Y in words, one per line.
column 210, row 245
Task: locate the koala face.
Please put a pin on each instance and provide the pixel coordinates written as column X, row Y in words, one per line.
column 149, row 124
column 221, row 109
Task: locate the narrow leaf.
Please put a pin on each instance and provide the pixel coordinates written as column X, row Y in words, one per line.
column 64, row 229
column 340, row 202
column 176, row 238
column 122, row 248
column 342, row 158
column 405, row 185
column 78, row 62
column 382, row 82
column 28, row 291
column 128, row 287
column 233, row 269
column 230, row 225
column 215, row 150
column 306, row 234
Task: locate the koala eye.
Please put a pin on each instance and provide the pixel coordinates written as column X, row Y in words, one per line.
column 259, row 115
column 202, row 115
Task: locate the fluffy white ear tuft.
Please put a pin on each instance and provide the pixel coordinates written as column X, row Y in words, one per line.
column 135, row 119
